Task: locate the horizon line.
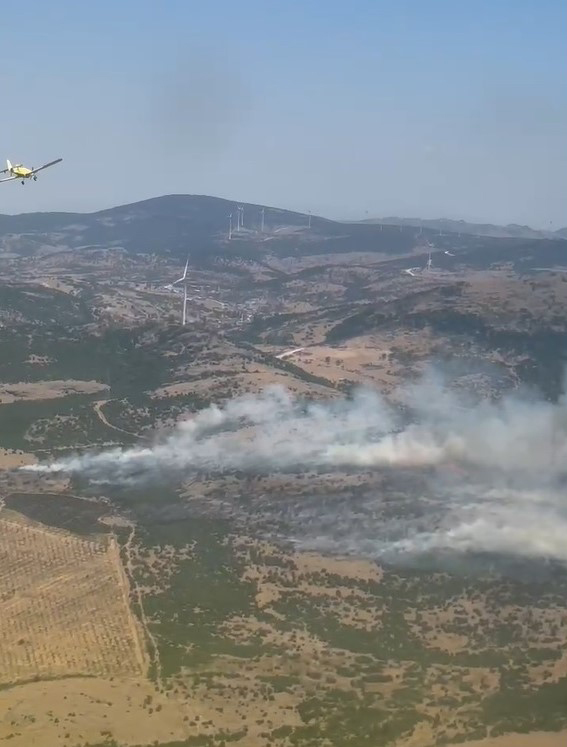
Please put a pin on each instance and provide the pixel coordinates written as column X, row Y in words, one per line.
column 367, row 221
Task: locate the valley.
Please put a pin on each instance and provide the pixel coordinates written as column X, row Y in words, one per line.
column 246, row 594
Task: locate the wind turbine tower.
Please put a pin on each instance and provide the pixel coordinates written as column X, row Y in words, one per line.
column 229, row 226
column 429, row 263
column 183, row 279
column 309, row 221
column 262, row 223
column 184, row 318
column 241, row 217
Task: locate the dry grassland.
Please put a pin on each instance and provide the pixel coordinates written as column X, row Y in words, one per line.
column 365, row 360
column 130, row 305
column 88, row 711
column 552, row 672
column 535, row 739
column 47, row 390
column 505, row 295
column 324, row 261
column 11, row 458
column 352, row 607
column 130, row 710
column 30, row 482
column 250, row 379
column 348, row 568
column 58, row 285
column 537, row 627
column 63, row 606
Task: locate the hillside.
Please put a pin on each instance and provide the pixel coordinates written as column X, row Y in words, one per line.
column 242, row 492
column 174, row 225
column 476, row 229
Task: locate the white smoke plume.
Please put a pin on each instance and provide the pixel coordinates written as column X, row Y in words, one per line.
column 513, row 452
column 261, row 433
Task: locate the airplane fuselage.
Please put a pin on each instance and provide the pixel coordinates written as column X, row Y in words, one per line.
column 21, row 172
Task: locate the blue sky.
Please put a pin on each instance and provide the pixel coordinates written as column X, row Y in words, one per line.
column 368, row 108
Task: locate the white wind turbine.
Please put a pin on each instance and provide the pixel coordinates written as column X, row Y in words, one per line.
column 184, row 279
column 239, row 218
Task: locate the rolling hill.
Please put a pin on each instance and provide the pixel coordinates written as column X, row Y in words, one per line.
column 511, row 231
column 173, row 225
column 248, row 599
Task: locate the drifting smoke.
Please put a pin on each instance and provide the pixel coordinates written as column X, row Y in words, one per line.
column 197, row 105
column 513, row 452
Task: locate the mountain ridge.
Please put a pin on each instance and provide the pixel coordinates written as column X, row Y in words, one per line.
column 511, row 230
column 181, row 224
column 200, row 221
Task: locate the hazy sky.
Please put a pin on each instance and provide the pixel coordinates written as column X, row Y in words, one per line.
column 396, row 107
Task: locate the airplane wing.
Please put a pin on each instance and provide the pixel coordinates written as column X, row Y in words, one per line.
column 8, row 178
column 4, row 171
column 45, row 165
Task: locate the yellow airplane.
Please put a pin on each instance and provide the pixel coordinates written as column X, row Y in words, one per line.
column 23, row 173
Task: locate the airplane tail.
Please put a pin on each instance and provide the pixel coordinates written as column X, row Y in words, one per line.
column 8, row 164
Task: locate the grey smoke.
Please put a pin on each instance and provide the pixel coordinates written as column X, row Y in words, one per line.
column 512, row 457
column 197, row 105
column 261, row 433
